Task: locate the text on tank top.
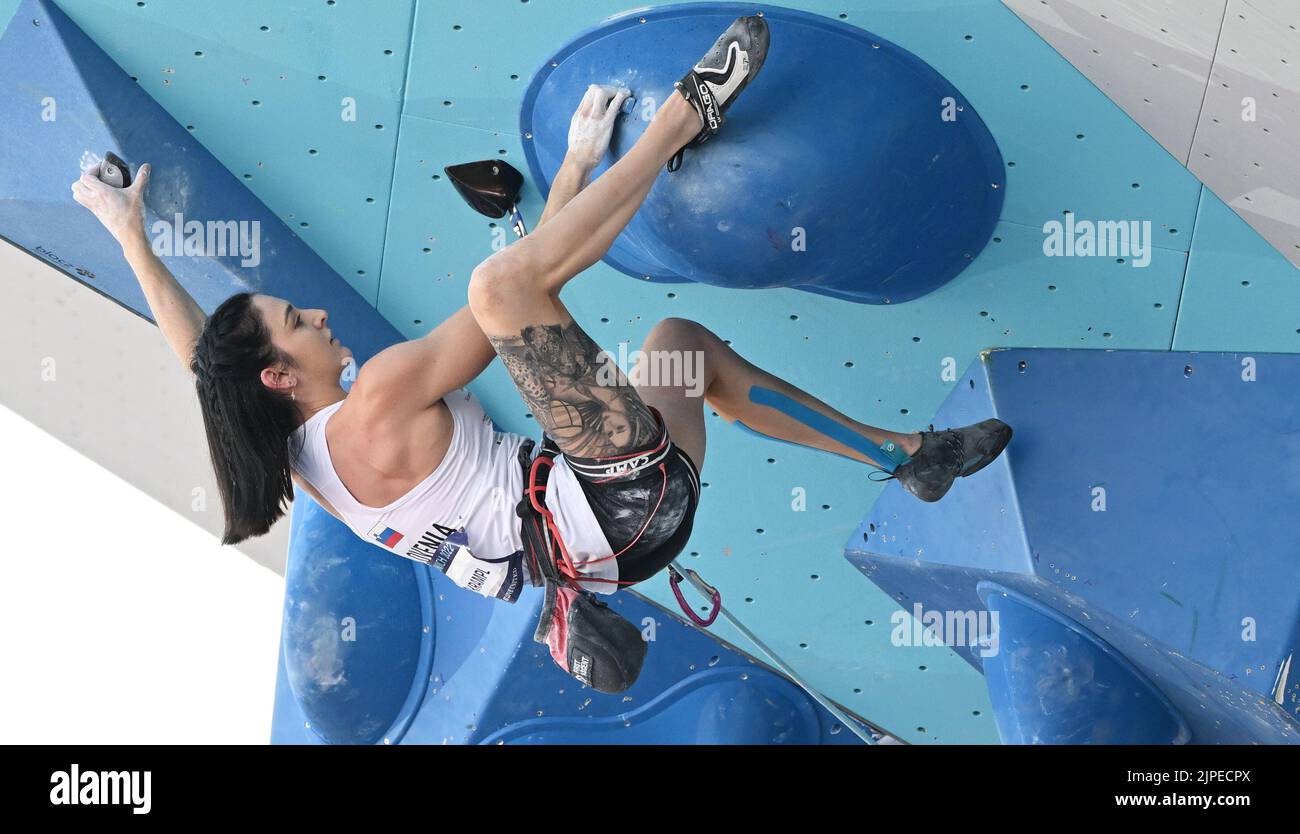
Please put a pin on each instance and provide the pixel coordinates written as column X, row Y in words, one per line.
column 468, row 501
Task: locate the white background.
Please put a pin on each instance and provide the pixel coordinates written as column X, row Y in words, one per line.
column 122, row 621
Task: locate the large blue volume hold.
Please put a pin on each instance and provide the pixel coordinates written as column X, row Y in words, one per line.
column 1146, row 501
column 849, row 167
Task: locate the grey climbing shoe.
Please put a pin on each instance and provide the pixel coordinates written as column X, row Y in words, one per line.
column 947, row 455
column 720, row 76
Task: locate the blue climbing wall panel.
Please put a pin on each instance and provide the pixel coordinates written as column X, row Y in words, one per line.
column 1144, row 497
column 434, row 82
column 74, row 104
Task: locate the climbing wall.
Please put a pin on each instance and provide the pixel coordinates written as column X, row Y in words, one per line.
column 340, row 115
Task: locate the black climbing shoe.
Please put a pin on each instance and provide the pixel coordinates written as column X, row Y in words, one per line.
column 947, row 455
column 717, row 80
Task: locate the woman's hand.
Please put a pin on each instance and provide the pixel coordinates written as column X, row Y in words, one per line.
column 593, row 124
column 121, row 210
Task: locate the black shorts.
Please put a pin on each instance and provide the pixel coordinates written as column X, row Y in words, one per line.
column 652, row 509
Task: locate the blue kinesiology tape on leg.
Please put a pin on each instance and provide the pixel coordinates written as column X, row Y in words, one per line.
column 888, row 456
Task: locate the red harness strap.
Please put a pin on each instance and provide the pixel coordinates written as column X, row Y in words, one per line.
column 536, row 497
column 535, row 492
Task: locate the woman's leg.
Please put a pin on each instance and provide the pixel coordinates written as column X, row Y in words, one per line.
column 575, row 391
column 926, row 464
column 580, row 397
column 684, row 365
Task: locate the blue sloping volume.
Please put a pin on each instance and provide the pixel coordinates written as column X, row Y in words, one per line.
column 373, row 648
column 1144, row 502
column 382, row 650
column 1052, row 681
column 65, row 102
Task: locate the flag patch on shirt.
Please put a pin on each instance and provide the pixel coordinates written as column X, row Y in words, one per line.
column 386, row 536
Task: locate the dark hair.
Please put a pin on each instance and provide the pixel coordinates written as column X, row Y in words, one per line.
column 248, row 425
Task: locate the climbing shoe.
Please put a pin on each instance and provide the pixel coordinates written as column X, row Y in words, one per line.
column 717, row 80
column 947, row 455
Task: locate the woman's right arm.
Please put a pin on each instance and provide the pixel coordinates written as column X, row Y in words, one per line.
column 121, row 210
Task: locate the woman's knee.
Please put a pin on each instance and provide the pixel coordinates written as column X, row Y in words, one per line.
column 677, row 354
column 503, row 282
column 676, row 332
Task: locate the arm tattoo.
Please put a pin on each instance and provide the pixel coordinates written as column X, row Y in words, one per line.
column 576, row 390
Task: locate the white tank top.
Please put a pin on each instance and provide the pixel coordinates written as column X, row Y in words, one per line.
column 475, row 488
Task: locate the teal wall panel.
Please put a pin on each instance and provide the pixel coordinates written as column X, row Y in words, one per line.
column 1240, row 293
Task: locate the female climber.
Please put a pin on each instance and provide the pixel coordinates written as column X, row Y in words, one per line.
column 407, row 458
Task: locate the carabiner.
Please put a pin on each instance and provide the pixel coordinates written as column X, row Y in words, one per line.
column 715, row 597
